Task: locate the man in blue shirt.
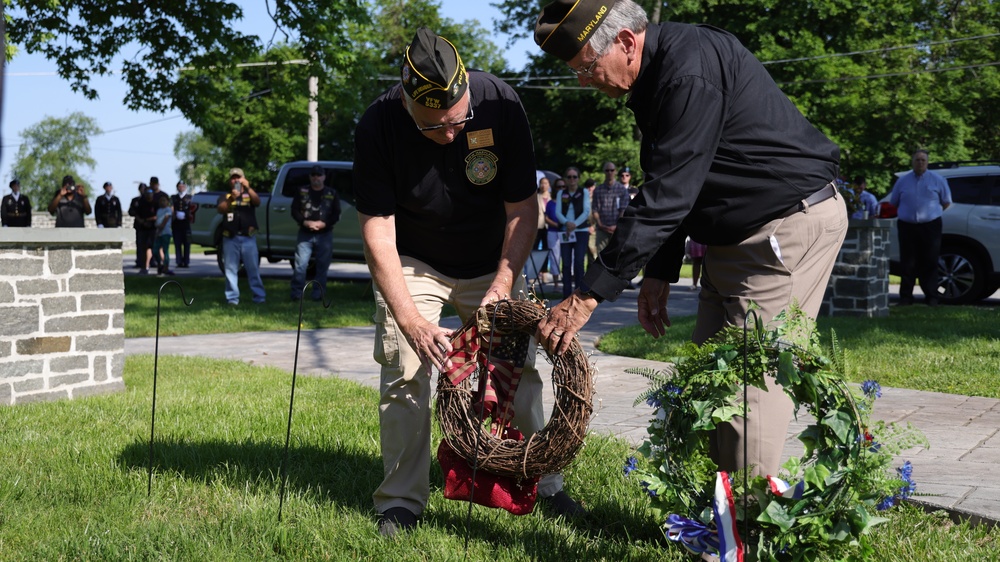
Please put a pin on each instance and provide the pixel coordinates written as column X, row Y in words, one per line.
column 921, row 196
column 867, row 204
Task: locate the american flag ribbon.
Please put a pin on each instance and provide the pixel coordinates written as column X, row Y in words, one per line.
column 501, row 356
column 781, row 488
column 730, row 545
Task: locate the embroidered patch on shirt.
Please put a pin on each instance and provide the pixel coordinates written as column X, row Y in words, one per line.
column 481, row 167
column 480, row 139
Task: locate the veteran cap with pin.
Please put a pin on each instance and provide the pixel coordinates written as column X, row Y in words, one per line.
column 565, row 26
column 433, row 74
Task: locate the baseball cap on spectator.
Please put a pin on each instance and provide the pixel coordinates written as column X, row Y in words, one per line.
column 236, row 172
column 432, row 73
column 317, row 171
column 68, row 180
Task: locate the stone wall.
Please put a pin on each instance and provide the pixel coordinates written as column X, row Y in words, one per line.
column 859, row 284
column 62, row 297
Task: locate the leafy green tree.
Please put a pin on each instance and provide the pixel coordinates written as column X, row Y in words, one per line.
column 51, row 149
column 199, row 158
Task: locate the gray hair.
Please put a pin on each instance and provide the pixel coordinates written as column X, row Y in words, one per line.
column 625, row 14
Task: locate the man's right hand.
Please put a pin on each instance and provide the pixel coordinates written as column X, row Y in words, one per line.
column 653, row 306
column 432, row 343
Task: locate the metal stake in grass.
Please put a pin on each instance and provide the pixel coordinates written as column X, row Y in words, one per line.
column 291, row 400
column 746, row 473
column 156, row 361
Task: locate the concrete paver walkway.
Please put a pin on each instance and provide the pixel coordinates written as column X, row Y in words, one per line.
column 958, row 470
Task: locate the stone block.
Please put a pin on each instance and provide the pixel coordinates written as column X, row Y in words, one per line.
column 118, row 321
column 60, row 260
column 29, row 385
column 6, row 348
column 109, row 261
column 57, row 381
column 101, row 368
column 69, row 363
column 6, row 292
column 37, row 287
column 76, row 324
column 22, row 267
column 54, row 306
column 852, row 287
column 43, row 345
column 117, row 365
column 19, row 320
column 104, row 342
column 841, row 269
column 50, row 396
column 97, row 282
column 15, row 369
column 110, row 302
column 116, row 385
column 6, row 395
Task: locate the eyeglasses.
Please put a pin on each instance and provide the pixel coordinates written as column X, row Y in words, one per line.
column 443, row 125
column 558, row 185
column 587, row 72
column 572, row 177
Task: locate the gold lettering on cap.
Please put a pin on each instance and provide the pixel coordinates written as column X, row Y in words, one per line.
column 432, row 103
column 593, row 24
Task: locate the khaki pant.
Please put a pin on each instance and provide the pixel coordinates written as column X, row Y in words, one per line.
column 788, row 259
column 406, row 388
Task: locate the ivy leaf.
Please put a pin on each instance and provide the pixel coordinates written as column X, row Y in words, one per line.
column 726, row 413
column 840, row 423
column 777, row 515
column 703, row 411
column 816, row 476
column 787, row 375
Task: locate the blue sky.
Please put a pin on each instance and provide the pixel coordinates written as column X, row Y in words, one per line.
column 137, row 145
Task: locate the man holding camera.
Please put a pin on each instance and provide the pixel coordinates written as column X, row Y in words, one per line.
column 239, row 237
column 70, row 204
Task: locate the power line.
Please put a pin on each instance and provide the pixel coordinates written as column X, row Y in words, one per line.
column 883, row 49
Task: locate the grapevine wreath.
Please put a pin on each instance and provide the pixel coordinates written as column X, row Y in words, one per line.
column 486, row 443
column 825, row 500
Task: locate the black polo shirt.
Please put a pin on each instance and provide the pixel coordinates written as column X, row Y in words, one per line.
column 724, row 151
column 447, row 201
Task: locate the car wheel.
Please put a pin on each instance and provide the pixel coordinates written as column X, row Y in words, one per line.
column 963, row 276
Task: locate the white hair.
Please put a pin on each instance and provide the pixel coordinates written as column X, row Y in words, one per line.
column 625, row 14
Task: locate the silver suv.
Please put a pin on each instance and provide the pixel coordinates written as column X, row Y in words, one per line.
column 970, row 245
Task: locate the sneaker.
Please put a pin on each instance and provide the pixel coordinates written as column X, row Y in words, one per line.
column 561, row 505
column 396, row 520
column 144, row 271
column 168, row 272
column 233, row 303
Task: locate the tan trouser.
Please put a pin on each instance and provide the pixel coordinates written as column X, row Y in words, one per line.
column 788, row 259
column 406, row 387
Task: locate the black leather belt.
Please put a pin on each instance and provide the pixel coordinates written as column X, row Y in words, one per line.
column 827, row 191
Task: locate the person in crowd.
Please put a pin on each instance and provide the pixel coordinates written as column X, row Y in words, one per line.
column 145, row 227
column 590, row 185
column 607, row 205
column 15, row 208
column 728, row 160
column 921, row 197
column 572, row 210
column 108, row 209
column 164, row 228
column 625, row 178
column 70, row 204
column 542, row 239
column 867, row 204
column 133, row 211
column 316, row 209
column 444, row 176
column 696, row 252
column 181, row 225
column 553, row 229
column 239, row 237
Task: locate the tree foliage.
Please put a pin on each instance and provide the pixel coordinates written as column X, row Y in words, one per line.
column 51, row 149
column 200, row 158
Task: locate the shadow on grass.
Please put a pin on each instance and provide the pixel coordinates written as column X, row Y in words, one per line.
column 337, row 475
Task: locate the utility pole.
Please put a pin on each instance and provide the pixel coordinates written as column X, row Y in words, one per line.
column 312, row 139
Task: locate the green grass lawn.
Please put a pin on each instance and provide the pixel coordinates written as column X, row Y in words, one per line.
column 953, row 349
column 73, row 481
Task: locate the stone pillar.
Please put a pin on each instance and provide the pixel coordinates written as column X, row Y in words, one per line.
column 62, row 313
column 859, row 284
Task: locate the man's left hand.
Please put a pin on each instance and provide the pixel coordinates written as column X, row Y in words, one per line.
column 556, row 331
column 497, row 292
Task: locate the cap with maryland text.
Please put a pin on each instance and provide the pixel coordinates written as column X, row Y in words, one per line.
column 565, row 26
column 432, row 73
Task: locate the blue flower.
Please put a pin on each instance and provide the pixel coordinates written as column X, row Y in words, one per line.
column 651, row 492
column 653, row 401
column 630, row 465
column 871, row 389
column 887, row 503
column 671, row 388
column 906, row 475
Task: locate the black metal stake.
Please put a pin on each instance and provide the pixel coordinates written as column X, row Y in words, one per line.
column 746, row 472
column 291, row 400
column 156, row 361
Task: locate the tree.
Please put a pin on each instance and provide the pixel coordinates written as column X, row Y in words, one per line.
column 200, row 159
column 51, row 149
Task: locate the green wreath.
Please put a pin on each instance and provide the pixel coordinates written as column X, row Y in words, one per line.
column 823, row 501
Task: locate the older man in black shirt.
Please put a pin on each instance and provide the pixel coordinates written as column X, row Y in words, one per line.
column 444, row 175
column 728, row 160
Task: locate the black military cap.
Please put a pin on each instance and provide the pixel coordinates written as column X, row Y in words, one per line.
column 433, row 74
column 565, row 26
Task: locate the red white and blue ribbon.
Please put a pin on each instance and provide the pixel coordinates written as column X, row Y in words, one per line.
column 781, row 488
column 693, row 535
column 730, row 545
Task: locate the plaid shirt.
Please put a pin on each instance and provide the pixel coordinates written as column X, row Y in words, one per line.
column 609, row 202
